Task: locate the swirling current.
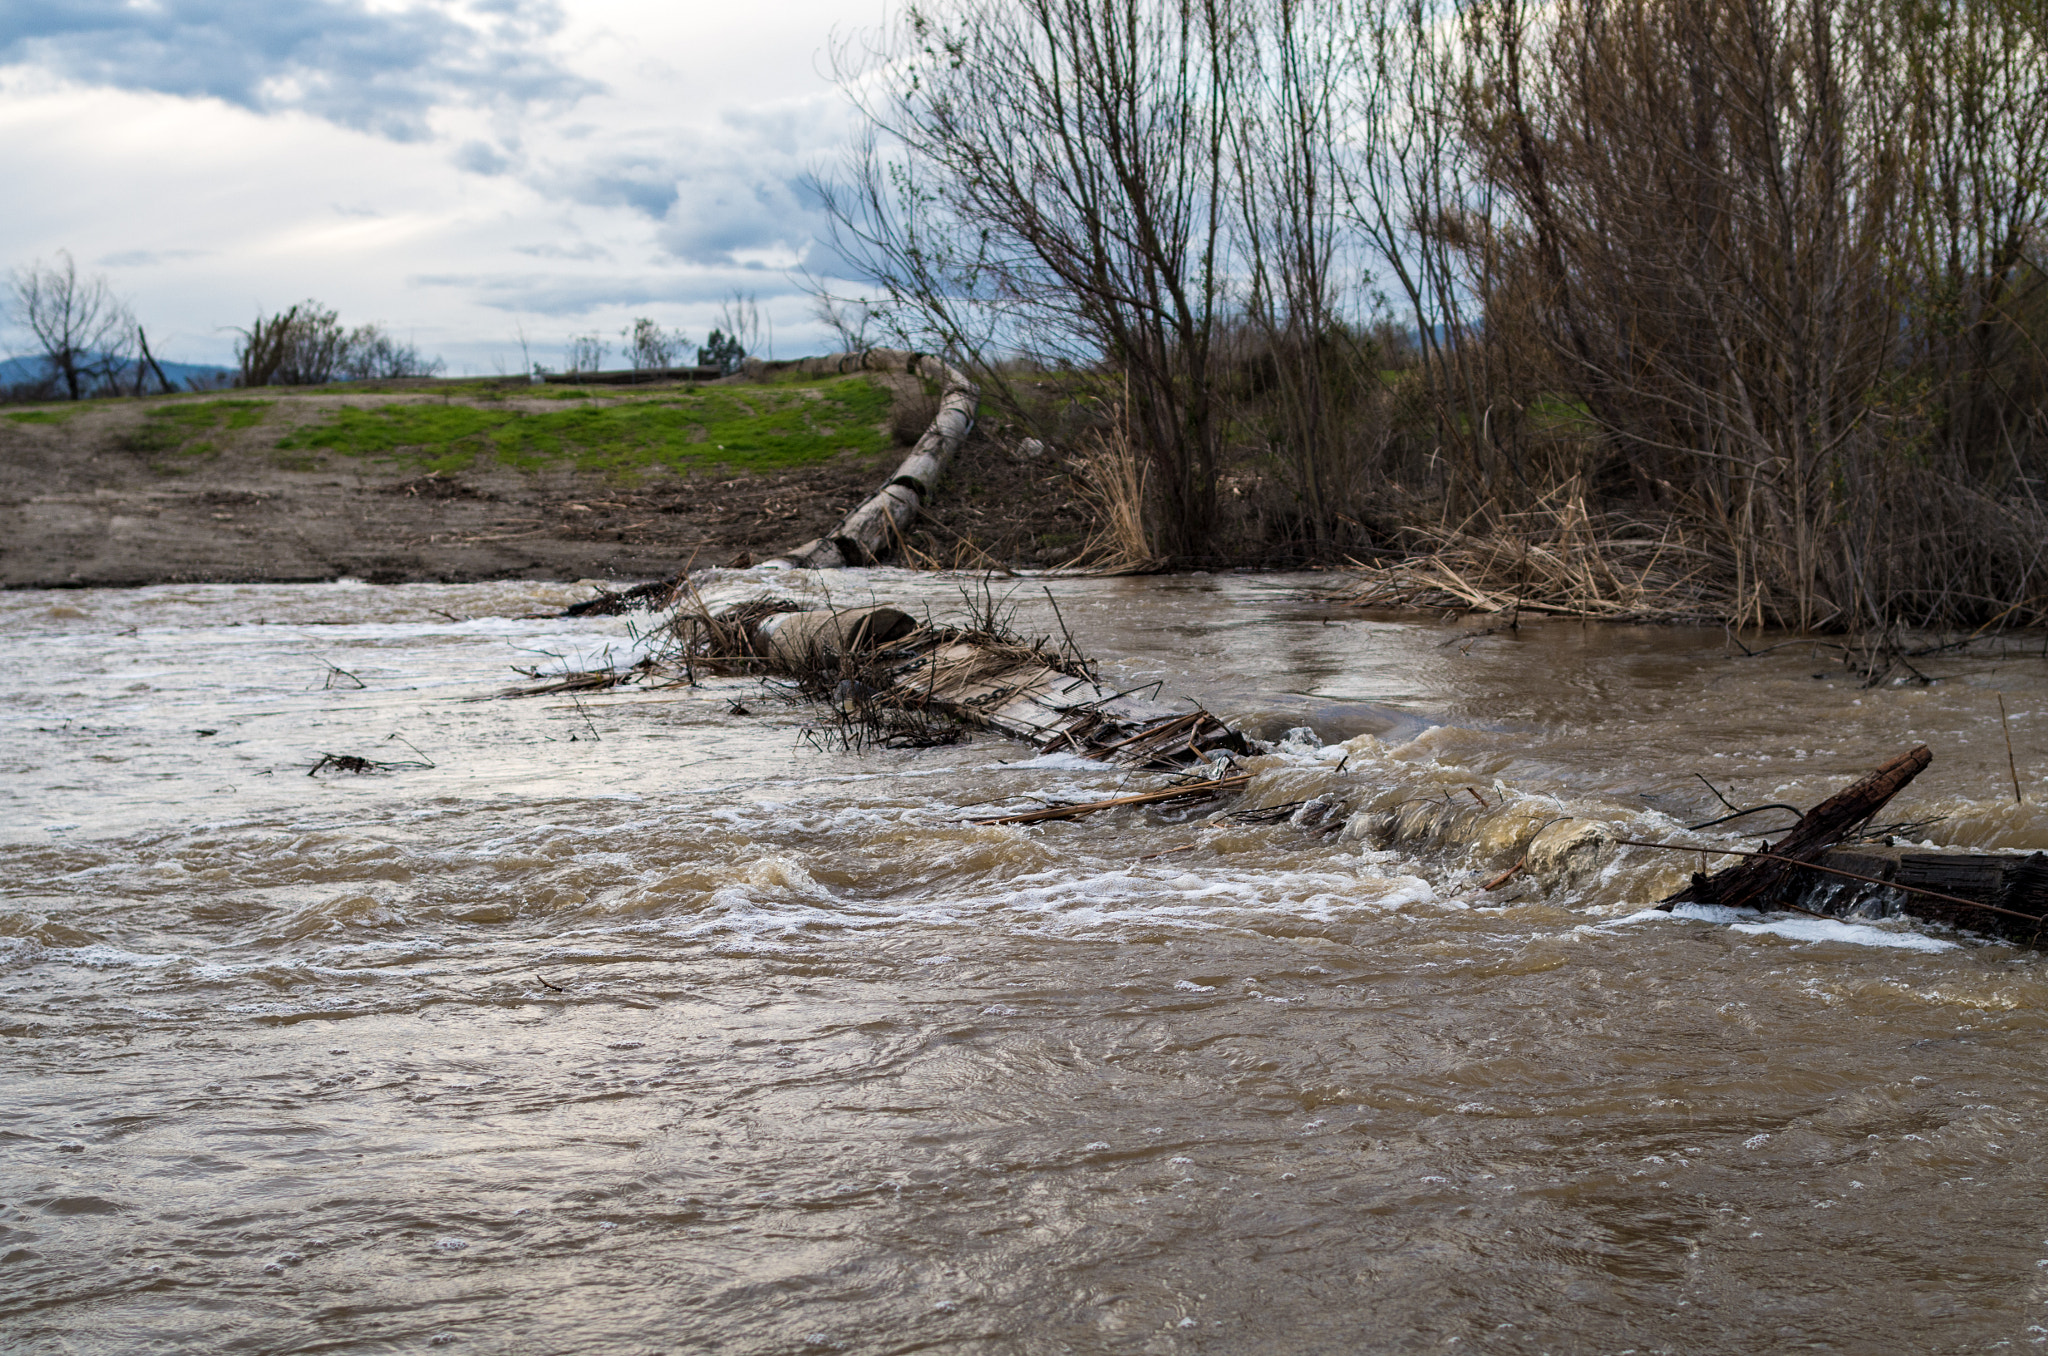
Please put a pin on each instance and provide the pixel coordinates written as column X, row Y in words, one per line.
column 655, row 1021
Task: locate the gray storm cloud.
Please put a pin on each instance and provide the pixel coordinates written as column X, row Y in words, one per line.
column 376, row 70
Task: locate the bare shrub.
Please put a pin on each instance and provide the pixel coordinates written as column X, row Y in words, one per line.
column 374, row 355
column 307, row 346
column 1761, row 277
column 1745, row 235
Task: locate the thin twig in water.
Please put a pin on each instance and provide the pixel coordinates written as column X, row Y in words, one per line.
column 2011, row 765
column 349, row 762
column 1740, row 814
column 586, row 718
column 1717, row 792
column 335, row 671
column 1504, row 877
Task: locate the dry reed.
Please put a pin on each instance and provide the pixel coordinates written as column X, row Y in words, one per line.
column 1558, row 558
column 1113, row 480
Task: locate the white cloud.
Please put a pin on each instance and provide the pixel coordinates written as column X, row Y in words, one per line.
column 458, row 171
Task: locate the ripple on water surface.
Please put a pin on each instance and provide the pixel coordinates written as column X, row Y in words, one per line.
column 634, row 1023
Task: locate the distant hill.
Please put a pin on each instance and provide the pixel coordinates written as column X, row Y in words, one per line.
column 20, row 371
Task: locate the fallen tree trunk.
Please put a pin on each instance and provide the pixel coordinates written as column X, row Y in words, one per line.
column 874, row 528
column 1758, row 881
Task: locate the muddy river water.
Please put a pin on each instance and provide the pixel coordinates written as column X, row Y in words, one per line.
column 637, row 1023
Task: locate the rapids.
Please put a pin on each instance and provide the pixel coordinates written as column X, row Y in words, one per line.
column 648, row 1022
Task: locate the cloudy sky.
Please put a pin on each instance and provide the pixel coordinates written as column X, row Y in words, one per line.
column 463, row 171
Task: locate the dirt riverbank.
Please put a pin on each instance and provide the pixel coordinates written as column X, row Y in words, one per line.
column 467, row 481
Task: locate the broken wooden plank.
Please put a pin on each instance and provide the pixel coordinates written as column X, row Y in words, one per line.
column 2002, row 894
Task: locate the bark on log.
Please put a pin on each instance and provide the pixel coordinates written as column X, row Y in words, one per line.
column 872, row 530
column 1760, row 881
column 797, row 639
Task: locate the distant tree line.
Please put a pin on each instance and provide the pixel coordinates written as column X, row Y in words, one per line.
column 1773, row 273
column 646, row 347
column 90, row 344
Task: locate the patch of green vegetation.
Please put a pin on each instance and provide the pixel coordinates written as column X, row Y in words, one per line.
column 178, row 429
column 745, row 428
column 48, row 416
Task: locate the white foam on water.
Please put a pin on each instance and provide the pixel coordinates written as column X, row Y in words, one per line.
column 1793, row 927
column 1071, row 762
column 101, row 956
column 1800, row 929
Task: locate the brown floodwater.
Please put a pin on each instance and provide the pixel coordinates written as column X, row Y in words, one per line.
column 636, row 1023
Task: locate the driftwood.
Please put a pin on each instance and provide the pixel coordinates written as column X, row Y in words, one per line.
column 878, row 655
column 872, row 530
column 797, row 640
column 1766, row 878
column 1813, row 870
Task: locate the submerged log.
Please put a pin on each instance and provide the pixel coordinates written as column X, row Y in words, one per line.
column 1760, row 880
column 2003, row 894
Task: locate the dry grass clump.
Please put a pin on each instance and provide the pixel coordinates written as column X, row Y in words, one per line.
column 1558, row 558
column 1110, row 478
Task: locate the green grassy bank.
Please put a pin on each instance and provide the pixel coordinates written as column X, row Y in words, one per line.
column 464, row 425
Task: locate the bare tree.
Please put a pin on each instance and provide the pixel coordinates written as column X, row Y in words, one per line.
column 372, row 354
column 85, row 332
column 650, row 348
column 849, row 318
column 737, row 334
column 302, row 346
column 586, row 353
column 1051, row 176
column 1768, row 273
column 307, row 346
column 1311, row 369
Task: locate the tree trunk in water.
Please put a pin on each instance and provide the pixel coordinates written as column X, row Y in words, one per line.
column 1758, row 881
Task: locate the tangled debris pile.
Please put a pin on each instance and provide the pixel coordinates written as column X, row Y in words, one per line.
column 888, row 679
